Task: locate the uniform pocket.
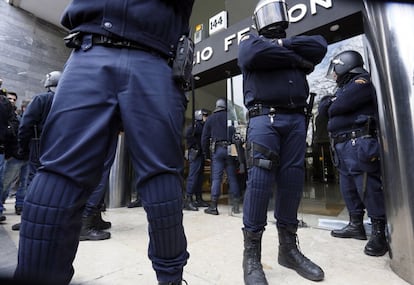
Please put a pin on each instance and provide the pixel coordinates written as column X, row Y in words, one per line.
column 368, row 154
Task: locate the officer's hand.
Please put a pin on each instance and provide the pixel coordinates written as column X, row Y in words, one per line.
column 306, row 66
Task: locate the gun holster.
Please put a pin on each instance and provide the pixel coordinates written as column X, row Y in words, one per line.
column 183, row 63
column 73, row 40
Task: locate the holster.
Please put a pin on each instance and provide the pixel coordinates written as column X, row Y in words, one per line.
column 183, row 63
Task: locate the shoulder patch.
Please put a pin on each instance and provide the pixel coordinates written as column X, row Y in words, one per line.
column 245, row 37
column 361, row 80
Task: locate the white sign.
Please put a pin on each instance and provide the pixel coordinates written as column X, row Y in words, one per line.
column 218, row 23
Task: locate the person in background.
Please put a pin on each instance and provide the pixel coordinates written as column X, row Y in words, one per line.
column 120, row 72
column 353, row 128
column 8, row 129
column 31, row 127
column 15, row 166
column 196, row 162
column 215, row 139
column 275, row 89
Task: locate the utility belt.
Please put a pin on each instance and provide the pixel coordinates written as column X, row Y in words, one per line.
column 221, row 143
column 359, row 133
column 1, row 148
column 86, row 41
column 259, row 110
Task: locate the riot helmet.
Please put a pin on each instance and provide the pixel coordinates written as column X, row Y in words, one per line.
column 198, row 115
column 271, row 18
column 220, row 105
column 346, row 62
column 52, row 79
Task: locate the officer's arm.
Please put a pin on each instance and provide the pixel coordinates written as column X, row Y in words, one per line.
column 357, row 94
column 324, row 105
column 205, row 137
column 311, row 48
column 31, row 117
column 256, row 53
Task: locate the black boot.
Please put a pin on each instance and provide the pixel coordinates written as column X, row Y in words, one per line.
column 291, row 257
column 99, row 223
column 252, row 266
column 377, row 244
column 235, row 208
column 189, row 203
column 199, row 202
column 212, row 209
column 355, row 229
column 88, row 232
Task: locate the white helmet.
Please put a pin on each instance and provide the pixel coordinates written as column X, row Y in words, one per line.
column 52, row 79
column 270, row 14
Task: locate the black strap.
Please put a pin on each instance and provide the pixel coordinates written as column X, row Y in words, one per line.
column 259, row 110
column 346, row 136
column 269, row 163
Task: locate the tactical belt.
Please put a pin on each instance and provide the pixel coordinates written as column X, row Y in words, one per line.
column 222, row 143
column 259, row 110
column 1, row 148
column 121, row 43
column 343, row 137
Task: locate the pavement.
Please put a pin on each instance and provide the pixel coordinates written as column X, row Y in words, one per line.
column 215, row 244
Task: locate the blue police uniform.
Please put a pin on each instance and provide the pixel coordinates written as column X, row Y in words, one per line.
column 352, row 126
column 31, row 127
column 216, row 132
column 196, row 160
column 119, row 72
column 275, row 92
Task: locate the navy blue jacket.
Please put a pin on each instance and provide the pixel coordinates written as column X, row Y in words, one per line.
column 353, row 103
column 152, row 23
column 273, row 74
column 33, row 120
column 215, row 128
column 193, row 135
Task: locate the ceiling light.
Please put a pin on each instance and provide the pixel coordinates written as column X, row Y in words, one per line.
column 334, row 28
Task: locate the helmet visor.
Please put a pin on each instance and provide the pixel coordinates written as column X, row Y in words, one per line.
column 331, row 74
column 269, row 13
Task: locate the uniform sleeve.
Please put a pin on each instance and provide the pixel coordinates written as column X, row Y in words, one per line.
column 311, row 48
column 205, row 137
column 324, row 105
column 31, row 117
column 261, row 54
column 356, row 94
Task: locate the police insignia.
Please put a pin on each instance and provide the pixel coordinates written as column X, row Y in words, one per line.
column 361, row 81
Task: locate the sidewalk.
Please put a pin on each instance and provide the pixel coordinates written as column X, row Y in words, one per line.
column 215, row 244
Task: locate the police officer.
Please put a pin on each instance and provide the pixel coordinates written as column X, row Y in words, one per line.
column 275, row 91
column 119, row 70
column 30, row 128
column 196, row 162
column 352, row 125
column 215, row 139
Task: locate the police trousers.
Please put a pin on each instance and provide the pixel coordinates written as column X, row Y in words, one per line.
column 360, row 182
column 285, row 135
column 101, row 87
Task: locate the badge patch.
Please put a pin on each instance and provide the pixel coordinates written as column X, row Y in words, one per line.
column 361, row 81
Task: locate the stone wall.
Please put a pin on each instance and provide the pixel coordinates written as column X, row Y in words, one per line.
column 29, row 49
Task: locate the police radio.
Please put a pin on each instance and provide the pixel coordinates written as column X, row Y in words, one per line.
column 183, row 63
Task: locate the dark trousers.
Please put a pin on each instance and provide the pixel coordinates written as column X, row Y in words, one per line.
column 221, row 161
column 98, row 89
column 195, row 175
column 360, row 176
column 286, row 137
